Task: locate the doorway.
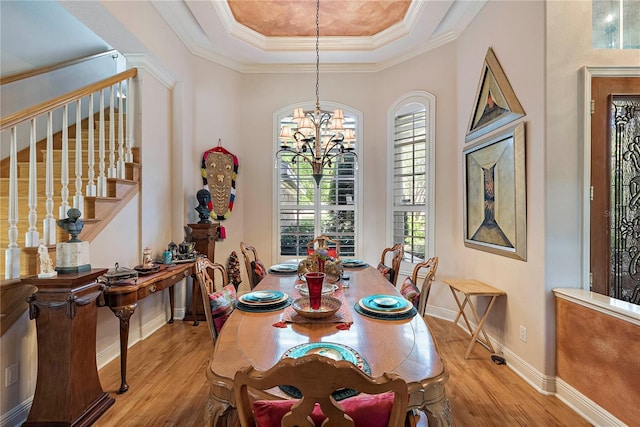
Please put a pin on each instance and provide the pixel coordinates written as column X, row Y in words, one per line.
column 614, row 226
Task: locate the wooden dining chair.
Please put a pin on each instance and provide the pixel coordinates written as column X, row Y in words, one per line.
column 255, row 267
column 324, row 241
column 316, row 377
column 218, row 301
column 410, row 290
column 391, row 273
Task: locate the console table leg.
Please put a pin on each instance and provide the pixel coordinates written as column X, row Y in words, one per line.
column 194, row 302
column 172, row 299
column 124, row 314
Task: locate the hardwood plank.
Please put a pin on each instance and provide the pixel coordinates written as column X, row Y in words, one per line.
column 166, row 374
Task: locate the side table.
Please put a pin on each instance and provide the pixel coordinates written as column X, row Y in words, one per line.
column 469, row 288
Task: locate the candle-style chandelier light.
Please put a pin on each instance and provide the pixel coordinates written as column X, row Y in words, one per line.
column 320, row 137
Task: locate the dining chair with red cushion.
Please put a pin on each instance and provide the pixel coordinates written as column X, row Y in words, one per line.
column 383, row 400
column 254, row 266
column 410, row 290
column 391, row 273
column 218, row 304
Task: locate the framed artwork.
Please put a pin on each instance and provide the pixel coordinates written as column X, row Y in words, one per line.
column 495, row 210
column 495, row 103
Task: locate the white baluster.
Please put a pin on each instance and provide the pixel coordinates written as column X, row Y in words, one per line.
column 12, row 254
column 102, row 178
column 121, row 171
column 112, row 138
column 91, row 185
column 78, row 198
column 129, row 141
column 32, row 237
column 49, row 222
column 64, row 165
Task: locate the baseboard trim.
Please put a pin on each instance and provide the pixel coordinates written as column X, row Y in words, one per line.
column 16, row 416
column 545, row 384
column 584, row 406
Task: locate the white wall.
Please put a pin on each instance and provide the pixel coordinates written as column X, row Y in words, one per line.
column 514, row 30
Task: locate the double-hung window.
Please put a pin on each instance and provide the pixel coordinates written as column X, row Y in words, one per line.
column 305, row 210
column 411, row 168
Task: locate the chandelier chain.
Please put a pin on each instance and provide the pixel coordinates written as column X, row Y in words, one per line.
column 318, row 55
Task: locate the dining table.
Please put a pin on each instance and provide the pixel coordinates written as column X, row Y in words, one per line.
column 402, row 344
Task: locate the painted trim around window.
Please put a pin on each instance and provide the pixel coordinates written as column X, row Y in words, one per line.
column 429, row 101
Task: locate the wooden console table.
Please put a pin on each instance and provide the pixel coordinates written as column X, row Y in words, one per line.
column 68, row 390
column 123, row 299
column 469, row 288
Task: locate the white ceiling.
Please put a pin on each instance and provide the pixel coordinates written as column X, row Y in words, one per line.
column 209, row 30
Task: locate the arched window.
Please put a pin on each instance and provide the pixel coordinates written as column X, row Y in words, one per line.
column 411, row 171
column 305, row 210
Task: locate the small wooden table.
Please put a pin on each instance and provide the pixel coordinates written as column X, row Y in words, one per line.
column 469, row 288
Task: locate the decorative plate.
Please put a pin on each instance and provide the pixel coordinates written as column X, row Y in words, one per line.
column 333, row 350
column 353, row 263
column 328, row 307
column 380, row 303
column 263, row 298
column 263, row 308
column 327, row 289
column 284, row 268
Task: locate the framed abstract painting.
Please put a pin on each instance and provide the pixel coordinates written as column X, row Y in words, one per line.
column 495, row 209
column 495, row 103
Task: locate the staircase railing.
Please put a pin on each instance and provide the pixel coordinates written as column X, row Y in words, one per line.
column 114, row 95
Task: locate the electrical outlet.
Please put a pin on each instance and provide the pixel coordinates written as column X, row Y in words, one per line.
column 11, row 375
column 523, row 334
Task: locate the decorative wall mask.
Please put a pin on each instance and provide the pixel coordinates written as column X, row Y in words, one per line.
column 219, row 172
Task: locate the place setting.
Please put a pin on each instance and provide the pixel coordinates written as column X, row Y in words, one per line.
column 263, row 301
column 335, row 351
column 284, row 269
column 354, row 263
column 385, row 307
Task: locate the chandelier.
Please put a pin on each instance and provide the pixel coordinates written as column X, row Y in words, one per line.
column 319, row 137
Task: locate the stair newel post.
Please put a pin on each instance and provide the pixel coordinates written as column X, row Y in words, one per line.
column 12, row 253
column 121, row 171
column 102, row 179
column 32, row 237
column 90, row 189
column 49, row 222
column 78, row 198
column 128, row 155
column 112, row 172
column 64, row 165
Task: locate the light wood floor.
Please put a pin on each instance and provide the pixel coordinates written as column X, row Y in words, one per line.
column 168, row 384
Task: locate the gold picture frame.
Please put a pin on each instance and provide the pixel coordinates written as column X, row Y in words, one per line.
column 495, row 211
column 495, row 103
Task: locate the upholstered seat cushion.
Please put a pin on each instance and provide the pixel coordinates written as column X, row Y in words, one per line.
column 222, row 305
column 258, row 270
column 410, row 291
column 365, row 410
column 387, row 272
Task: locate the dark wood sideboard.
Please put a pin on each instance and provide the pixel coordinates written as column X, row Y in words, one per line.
column 204, row 237
column 68, row 390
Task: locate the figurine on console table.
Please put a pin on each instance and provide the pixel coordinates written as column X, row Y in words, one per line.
column 46, row 264
column 203, row 208
column 72, row 256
